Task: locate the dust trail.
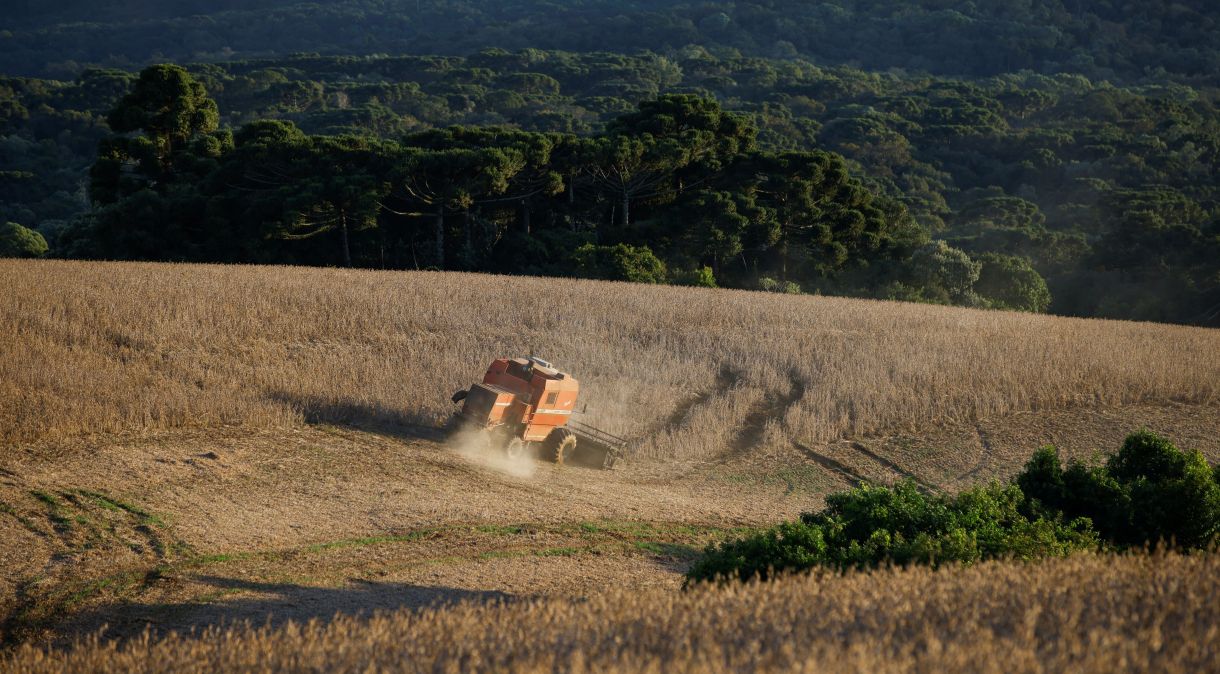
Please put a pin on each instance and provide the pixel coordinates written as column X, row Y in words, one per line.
column 476, row 447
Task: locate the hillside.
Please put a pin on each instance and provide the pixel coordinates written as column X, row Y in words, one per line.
column 895, row 326
column 185, row 445
column 1110, row 40
column 119, row 348
column 1105, row 192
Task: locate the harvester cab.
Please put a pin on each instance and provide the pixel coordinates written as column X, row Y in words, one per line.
column 524, row 407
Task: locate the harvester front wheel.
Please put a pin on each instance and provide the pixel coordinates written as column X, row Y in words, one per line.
column 561, row 443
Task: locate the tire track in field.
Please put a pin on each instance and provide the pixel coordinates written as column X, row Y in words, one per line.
column 754, row 425
column 839, row 468
column 74, row 521
column 726, row 379
column 773, row 408
column 919, row 482
column 986, row 453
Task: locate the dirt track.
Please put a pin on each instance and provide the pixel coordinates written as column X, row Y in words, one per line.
column 189, row 529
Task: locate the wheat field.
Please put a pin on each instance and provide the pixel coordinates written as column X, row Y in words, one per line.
column 101, row 348
column 1137, row 613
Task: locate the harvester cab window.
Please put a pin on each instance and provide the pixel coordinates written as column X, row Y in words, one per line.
column 552, row 397
column 520, row 371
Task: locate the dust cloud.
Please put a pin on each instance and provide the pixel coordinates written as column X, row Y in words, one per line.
column 475, row 446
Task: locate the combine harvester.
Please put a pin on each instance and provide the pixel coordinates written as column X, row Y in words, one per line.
column 525, row 404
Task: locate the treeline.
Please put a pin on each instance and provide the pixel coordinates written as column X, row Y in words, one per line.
column 675, row 192
column 1107, row 39
column 1110, row 194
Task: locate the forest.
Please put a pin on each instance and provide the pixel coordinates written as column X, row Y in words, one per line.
column 1116, row 40
column 1036, row 182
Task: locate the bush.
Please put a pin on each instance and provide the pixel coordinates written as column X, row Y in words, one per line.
column 701, row 277
column 1149, row 491
column 869, row 526
column 1010, row 282
column 18, row 241
column 620, row 262
column 943, row 274
column 773, row 286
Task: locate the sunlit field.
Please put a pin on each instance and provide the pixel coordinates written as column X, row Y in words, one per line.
column 1139, row 613
column 109, row 347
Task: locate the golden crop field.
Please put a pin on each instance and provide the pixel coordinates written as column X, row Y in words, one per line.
column 1137, row 613
column 126, row 348
column 160, row 465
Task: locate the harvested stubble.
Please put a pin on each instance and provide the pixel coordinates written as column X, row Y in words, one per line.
column 1138, row 613
column 119, row 347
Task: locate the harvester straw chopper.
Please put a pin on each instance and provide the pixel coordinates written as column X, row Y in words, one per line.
column 524, row 407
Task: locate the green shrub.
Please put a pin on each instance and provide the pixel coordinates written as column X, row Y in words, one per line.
column 943, row 274
column 620, row 262
column 1148, row 492
column 1010, row 282
column 701, row 277
column 773, row 286
column 869, row 526
column 18, row 241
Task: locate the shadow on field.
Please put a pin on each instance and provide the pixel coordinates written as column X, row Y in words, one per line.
column 392, row 421
column 233, row 602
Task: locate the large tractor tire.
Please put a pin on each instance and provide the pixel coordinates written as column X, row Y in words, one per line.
column 560, row 445
column 516, row 449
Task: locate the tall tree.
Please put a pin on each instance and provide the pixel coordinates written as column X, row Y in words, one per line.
column 341, row 190
column 454, row 180
column 169, row 107
column 147, row 181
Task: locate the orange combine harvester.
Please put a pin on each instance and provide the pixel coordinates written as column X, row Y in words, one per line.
column 524, row 407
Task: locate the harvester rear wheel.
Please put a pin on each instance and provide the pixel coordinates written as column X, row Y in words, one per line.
column 560, row 445
column 516, row 448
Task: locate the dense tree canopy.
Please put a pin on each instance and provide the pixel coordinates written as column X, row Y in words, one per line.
column 1129, row 41
column 1069, row 194
column 703, row 197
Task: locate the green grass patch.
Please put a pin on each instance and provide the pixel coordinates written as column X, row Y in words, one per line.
column 500, row 530
column 24, row 521
column 110, row 503
column 641, row 530
column 675, row 550
column 371, row 540
column 61, row 519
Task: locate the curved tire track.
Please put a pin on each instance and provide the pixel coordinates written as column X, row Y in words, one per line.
column 923, row 486
column 839, row 468
column 726, row 379
column 773, row 407
column 755, row 423
column 986, row 453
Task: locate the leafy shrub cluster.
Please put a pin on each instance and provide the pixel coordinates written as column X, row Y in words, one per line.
column 18, row 241
column 1149, row 492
